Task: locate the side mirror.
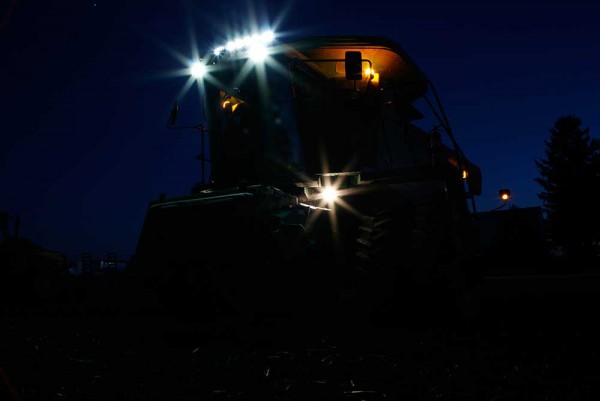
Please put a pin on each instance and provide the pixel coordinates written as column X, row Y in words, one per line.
column 173, row 114
column 353, row 65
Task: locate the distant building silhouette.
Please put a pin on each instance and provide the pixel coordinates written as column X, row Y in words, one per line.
column 512, row 235
column 111, row 260
column 4, row 225
column 86, row 262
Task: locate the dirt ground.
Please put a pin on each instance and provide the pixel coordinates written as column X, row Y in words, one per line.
column 527, row 346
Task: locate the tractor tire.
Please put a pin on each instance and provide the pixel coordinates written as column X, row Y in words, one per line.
column 409, row 266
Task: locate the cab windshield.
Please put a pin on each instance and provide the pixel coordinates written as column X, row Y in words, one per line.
column 253, row 127
column 287, row 123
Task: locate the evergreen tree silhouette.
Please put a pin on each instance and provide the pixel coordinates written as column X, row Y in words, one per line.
column 570, row 177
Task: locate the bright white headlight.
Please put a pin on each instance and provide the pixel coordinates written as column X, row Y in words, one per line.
column 198, row 69
column 255, row 45
column 267, row 36
column 258, row 52
column 329, row 194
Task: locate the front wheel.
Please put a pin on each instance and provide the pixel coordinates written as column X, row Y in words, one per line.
column 413, row 262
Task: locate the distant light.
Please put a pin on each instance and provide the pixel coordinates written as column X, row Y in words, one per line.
column 198, row 69
column 329, row 194
column 465, row 174
column 504, row 194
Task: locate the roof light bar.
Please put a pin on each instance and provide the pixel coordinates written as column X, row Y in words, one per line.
column 249, row 42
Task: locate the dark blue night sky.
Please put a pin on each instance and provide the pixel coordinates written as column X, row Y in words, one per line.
column 85, row 92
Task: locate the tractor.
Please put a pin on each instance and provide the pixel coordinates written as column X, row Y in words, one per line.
column 329, row 188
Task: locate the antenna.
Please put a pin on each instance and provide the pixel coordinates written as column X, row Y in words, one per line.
column 171, row 125
column 173, row 114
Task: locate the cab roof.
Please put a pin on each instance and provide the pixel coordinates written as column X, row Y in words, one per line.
column 388, row 59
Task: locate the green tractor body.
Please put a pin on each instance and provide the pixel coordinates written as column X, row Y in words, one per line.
column 323, row 186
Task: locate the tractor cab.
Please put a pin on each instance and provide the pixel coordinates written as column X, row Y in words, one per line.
column 320, row 105
column 320, row 176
